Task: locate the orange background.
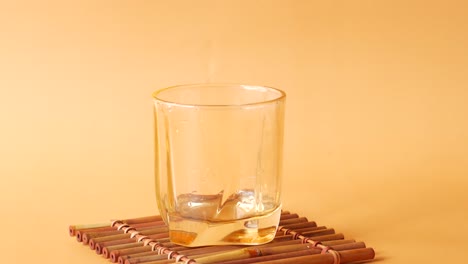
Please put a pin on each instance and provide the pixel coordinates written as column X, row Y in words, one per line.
column 376, row 141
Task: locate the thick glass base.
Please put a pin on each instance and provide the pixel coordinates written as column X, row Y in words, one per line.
column 250, row 231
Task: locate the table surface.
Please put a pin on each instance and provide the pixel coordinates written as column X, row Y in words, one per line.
column 376, row 135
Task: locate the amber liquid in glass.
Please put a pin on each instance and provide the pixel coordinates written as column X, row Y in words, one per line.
column 207, row 219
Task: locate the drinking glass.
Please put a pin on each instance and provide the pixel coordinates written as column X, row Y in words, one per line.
column 218, row 162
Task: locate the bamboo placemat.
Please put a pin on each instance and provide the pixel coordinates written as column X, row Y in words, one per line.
column 146, row 240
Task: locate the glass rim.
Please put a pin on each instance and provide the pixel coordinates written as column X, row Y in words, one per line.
column 281, row 96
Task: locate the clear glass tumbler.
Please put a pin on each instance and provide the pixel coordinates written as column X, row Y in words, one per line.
column 219, row 162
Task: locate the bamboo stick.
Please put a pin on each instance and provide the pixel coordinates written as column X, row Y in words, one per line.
column 79, row 230
column 293, row 253
column 281, row 256
column 114, row 255
column 136, row 255
column 207, row 250
column 293, row 221
column 288, row 216
column 297, row 245
column 152, row 231
column 101, row 245
column 346, row 256
column 307, row 229
column 299, row 225
column 196, row 251
column 73, row 228
column 148, row 225
column 320, row 232
column 252, row 252
column 107, row 253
